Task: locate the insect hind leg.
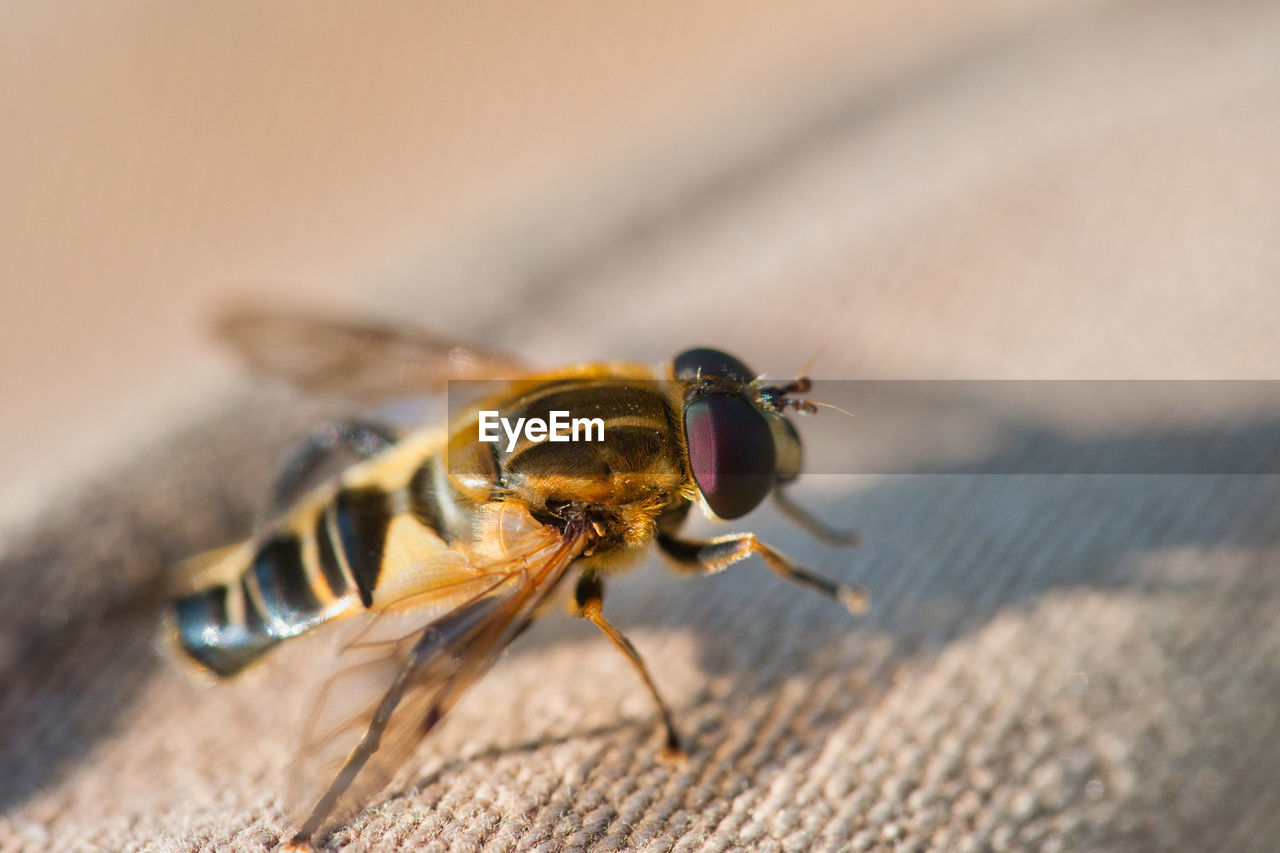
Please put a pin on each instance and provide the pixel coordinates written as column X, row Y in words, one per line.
column 713, row 556
column 588, row 603
column 320, row 448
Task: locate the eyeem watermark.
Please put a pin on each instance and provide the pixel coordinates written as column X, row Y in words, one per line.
column 560, row 428
column 980, row 427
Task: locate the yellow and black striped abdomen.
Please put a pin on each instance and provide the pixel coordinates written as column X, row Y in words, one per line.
column 402, row 522
column 336, row 552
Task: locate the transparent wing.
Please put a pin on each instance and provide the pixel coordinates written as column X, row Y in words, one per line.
column 362, row 360
column 399, row 674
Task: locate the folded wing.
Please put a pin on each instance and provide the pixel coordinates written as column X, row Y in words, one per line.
column 398, row 676
column 359, row 360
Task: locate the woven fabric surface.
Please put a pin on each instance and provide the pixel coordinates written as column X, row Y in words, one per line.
column 1050, row 662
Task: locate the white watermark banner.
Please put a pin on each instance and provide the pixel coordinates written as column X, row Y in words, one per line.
column 888, row 427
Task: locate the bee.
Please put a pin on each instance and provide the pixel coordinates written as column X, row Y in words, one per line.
column 440, row 548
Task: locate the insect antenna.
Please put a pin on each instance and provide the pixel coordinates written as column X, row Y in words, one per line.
column 810, row 406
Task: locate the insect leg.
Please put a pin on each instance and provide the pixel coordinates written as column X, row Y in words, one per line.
column 588, row 600
column 708, row 557
column 361, row 438
column 812, row 525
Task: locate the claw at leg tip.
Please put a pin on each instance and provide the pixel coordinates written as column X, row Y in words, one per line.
column 854, row 599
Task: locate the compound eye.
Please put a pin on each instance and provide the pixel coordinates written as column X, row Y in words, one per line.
column 731, row 452
column 710, row 362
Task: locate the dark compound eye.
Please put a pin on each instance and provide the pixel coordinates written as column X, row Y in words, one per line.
column 731, row 453
column 710, row 362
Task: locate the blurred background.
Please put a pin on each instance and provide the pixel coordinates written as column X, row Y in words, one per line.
column 912, row 189
column 982, row 190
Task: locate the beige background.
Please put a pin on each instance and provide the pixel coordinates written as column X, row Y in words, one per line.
column 164, row 160
column 921, row 190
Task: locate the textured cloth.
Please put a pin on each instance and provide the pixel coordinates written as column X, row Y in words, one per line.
column 1049, row 662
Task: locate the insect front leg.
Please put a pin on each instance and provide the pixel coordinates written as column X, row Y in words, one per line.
column 360, row 438
column 588, row 603
column 814, row 526
column 707, row 557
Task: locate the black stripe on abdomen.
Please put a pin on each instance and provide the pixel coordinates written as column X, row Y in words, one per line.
column 424, row 500
column 207, row 635
column 330, row 568
column 287, row 595
column 362, row 517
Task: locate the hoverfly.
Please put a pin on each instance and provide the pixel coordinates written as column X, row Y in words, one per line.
column 441, row 548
